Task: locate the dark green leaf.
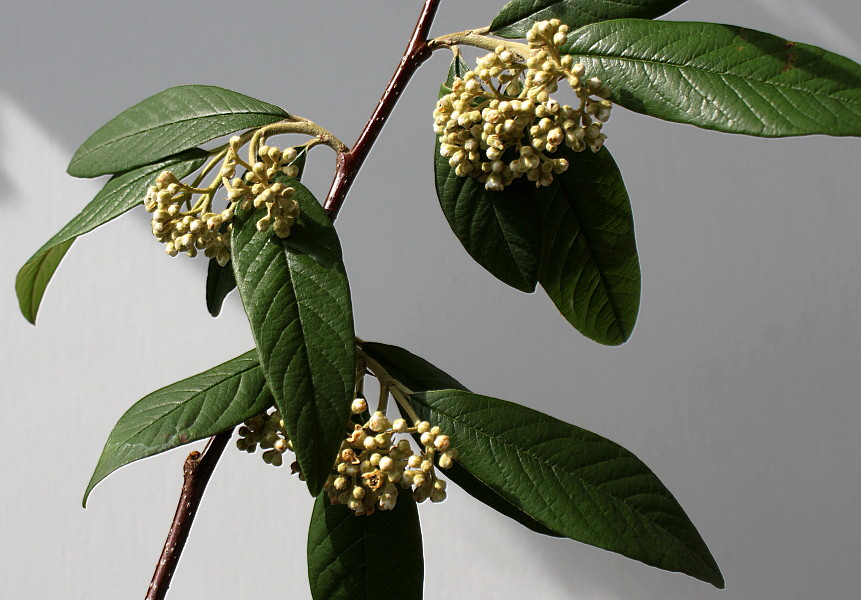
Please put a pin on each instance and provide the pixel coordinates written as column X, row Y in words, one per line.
column 722, row 77
column 186, row 411
column 122, row 193
column 573, row 481
column 365, row 558
column 500, row 230
column 220, row 281
column 176, row 119
column 419, row 375
column 590, row 267
column 297, row 299
column 518, row 16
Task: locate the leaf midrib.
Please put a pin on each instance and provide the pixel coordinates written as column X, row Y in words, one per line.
column 180, row 404
column 749, row 80
column 585, row 484
column 139, row 132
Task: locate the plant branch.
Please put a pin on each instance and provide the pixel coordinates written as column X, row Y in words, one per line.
column 196, row 472
column 349, row 163
column 198, row 468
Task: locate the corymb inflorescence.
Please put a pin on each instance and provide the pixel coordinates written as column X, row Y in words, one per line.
column 500, row 123
column 186, row 225
column 376, row 461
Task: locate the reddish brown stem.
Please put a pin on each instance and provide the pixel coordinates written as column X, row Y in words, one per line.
column 349, row 163
column 196, row 472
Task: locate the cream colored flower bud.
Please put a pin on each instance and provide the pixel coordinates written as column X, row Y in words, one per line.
column 359, row 406
column 280, row 446
column 427, row 438
column 369, row 443
column 414, row 461
column 423, row 426
column 340, row 483
column 442, row 442
column 399, row 425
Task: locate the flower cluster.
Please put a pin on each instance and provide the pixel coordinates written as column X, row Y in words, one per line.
column 499, row 122
column 266, row 430
column 199, row 227
column 372, row 467
column 186, row 231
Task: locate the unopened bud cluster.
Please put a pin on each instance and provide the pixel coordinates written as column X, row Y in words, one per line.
column 499, row 122
column 186, row 231
column 199, row 228
column 373, row 468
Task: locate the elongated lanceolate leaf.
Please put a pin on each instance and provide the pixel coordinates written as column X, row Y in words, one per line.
column 500, row 230
column 419, row 375
column 518, row 16
column 220, row 281
column 573, row 481
column 176, row 119
column 186, row 411
column 722, row 77
column 122, row 193
column 590, row 267
column 365, row 558
column 297, row 299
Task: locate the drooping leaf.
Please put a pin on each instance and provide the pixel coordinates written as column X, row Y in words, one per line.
column 176, row 119
column 590, row 267
column 120, row 194
column 518, row 16
column 189, row 410
column 722, row 77
column 419, row 375
column 220, row 281
column 365, row 558
column 500, row 230
column 577, row 483
column 297, row 299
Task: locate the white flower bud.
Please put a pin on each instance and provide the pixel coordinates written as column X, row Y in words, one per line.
column 399, row 425
column 359, row 406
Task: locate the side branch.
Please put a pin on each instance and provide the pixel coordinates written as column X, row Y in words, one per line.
column 196, row 473
column 349, row 163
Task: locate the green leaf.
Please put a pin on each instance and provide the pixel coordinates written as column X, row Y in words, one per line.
column 220, row 281
column 518, row 16
column 590, row 267
column 171, row 121
column 189, row 410
column 501, row 231
column 722, row 77
column 297, row 299
column 121, row 193
column 365, row 558
column 419, row 375
column 573, row 481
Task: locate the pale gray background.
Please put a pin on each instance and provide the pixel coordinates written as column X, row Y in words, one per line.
column 739, row 386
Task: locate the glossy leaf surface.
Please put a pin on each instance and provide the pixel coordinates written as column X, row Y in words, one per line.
column 189, row 410
column 590, row 267
column 365, row 558
column 722, row 77
column 518, row 16
column 120, row 194
column 297, row 299
column 419, row 375
column 176, row 119
column 577, row 483
column 501, row 231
